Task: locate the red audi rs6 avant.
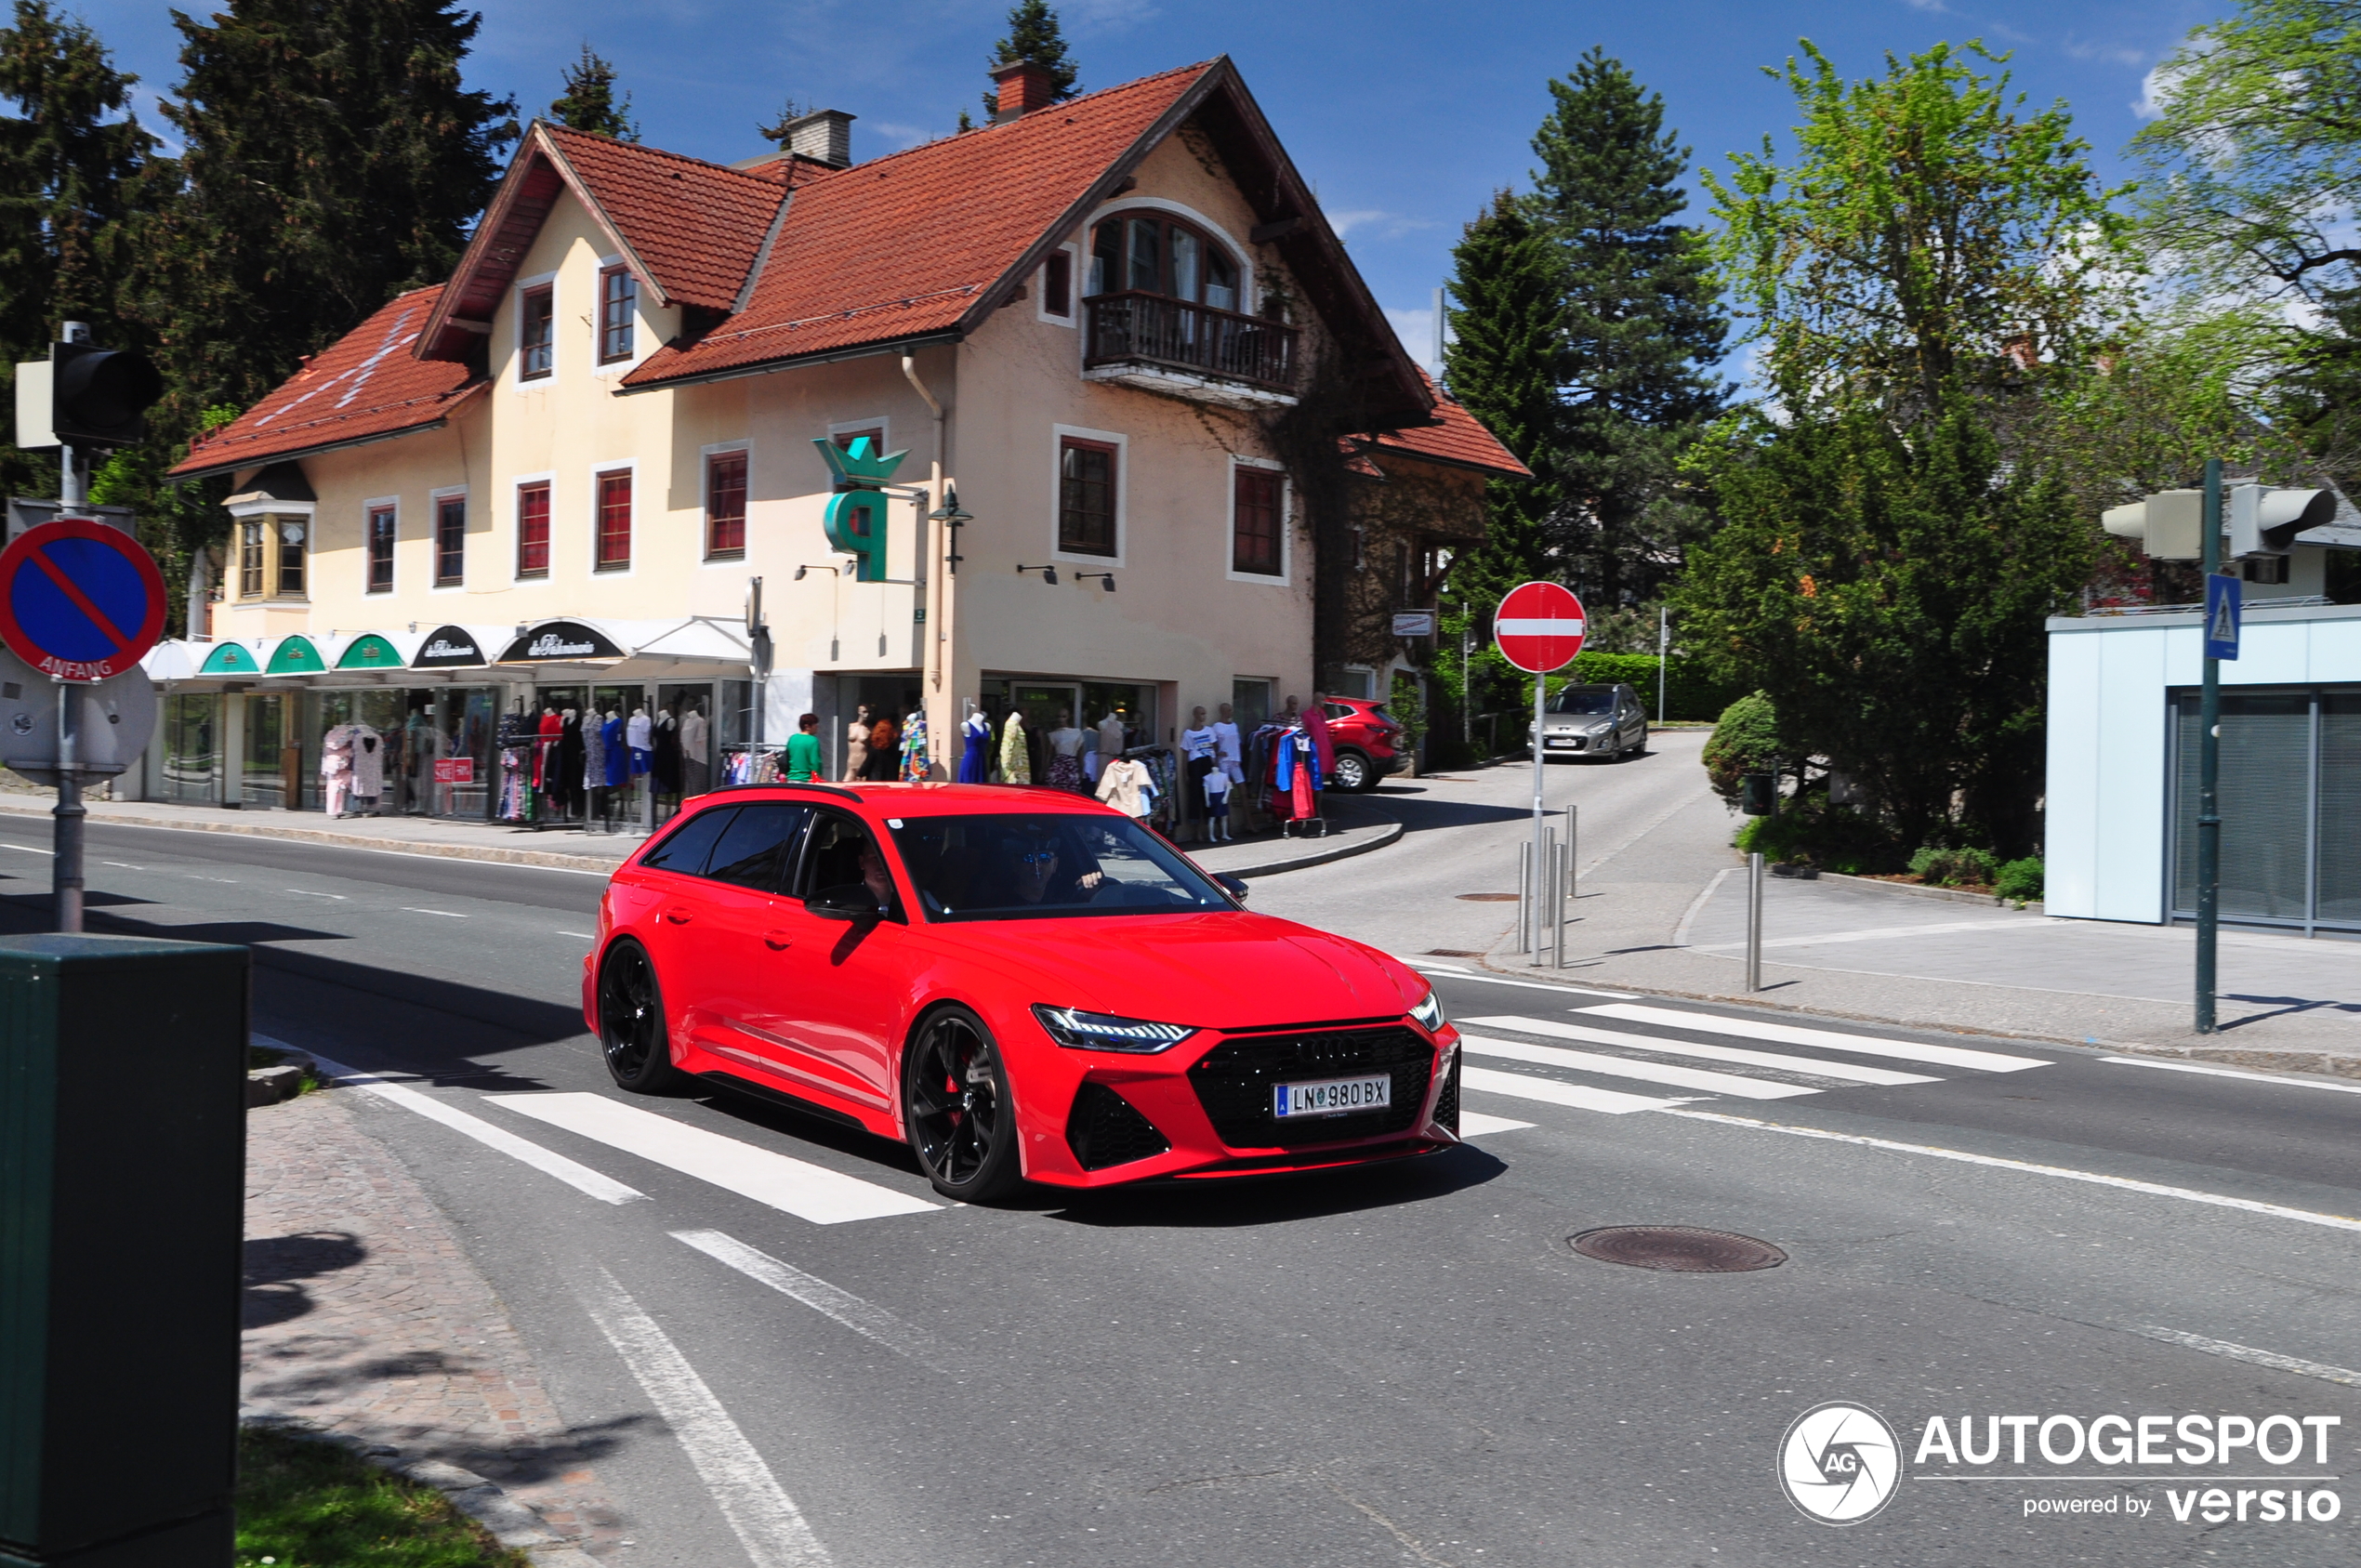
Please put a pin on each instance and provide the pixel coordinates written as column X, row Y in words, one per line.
column 1022, row 983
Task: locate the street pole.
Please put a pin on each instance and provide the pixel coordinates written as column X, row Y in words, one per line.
column 1540, row 692
column 2209, row 769
column 1664, row 654
column 1754, row 921
column 65, row 876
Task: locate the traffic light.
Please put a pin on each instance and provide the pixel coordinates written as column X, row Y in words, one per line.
column 2168, row 525
column 2265, row 521
column 85, row 396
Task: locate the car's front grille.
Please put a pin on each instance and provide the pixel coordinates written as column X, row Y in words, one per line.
column 1446, row 1101
column 1234, row 1083
column 1105, row 1129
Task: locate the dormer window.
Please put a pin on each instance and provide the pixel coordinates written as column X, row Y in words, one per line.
column 1149, row 253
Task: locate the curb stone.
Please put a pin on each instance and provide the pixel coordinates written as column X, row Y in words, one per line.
column 512, row 1523
column 1377, row 840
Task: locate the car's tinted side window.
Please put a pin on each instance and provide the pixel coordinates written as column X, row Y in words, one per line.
column 833, row 856
column 686, row 848
column 759, row 846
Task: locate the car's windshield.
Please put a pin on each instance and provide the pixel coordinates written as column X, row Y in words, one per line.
column 1042, row 865
column 1584, row 699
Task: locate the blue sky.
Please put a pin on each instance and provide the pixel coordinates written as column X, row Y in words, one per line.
column 1405, row 116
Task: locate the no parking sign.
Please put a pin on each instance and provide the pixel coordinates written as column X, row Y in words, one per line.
column 79, row 601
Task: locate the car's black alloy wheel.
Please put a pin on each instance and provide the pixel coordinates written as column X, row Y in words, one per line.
column 631, row 1032
column 955, row 1105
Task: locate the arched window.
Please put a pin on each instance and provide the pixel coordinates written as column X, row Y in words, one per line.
column 1153, row 253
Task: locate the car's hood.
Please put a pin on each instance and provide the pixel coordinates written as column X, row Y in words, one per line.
column 1228, row 971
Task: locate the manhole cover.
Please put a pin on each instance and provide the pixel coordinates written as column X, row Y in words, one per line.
column 1470, row 953
column 1489, row 898
column 1683, row 1249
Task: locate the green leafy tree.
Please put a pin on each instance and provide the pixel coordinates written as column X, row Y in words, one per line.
column 1887, row 595
column 69, row 177
column 1928, row 236
column 590, row 102
column 1639, row 324
column 1503, row 365
column 1033, row 34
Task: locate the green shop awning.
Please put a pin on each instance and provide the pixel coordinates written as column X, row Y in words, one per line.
column 231, row 658
column 296, row 656
column 369, row 651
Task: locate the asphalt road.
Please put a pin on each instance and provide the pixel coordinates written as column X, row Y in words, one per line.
column 1408, row 1364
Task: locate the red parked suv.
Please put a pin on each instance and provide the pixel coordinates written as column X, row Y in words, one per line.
column 1365, row 736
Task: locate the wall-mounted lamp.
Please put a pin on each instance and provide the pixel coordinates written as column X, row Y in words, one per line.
column 832, row 571
column 951, row 518
column 1048, row 574
column 1106, row 579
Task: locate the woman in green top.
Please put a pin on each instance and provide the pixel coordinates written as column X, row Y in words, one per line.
column 803, row 751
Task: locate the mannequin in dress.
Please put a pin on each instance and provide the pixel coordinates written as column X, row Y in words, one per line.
column 696, row 763
column 1198, row 745
column 1112, row 740
column 856, row 745
column 974, row 731
column 1065, row 753
column 1016, row 757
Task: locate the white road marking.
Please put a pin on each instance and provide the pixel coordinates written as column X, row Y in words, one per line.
column 1534, row 984
column 1849, row 1072
column 306, row 892
column 797, row 1187
column 547, row 1161
column 1937, row 928
column 1630, row 1067
column 1681, row 932
column 444, row 913
column 766, row 1520
column 1475, row 1123
column 2297, row 1364
column 1553, row 1091
column 27, row 849
column 1792, row 1034
column 230, row 881
column 585, row 936
column 124, row 865
column 862, row 1317
column 2216, row 1200
column 2231, row 1072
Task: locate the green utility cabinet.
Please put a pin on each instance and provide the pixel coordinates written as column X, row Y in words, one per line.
column 122, row 1190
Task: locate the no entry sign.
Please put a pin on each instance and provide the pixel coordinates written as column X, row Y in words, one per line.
column 79, row 601
column 1539, row 627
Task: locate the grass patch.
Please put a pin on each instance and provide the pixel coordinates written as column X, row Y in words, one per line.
column 307, row 1504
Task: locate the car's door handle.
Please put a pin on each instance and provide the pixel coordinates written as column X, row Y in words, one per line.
column 776, row 940
column 678, row 915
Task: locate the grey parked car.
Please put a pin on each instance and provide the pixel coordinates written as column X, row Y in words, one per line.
column 1595, row 722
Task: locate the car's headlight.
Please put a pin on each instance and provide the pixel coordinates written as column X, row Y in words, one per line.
column 1429, row 1012
column 1076, row 1029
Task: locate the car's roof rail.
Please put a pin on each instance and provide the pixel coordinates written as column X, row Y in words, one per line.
column 784, row 783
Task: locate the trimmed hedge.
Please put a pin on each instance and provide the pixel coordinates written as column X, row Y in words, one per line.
column 1688, row 694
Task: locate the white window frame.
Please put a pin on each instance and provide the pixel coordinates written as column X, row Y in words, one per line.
column 642, row 330
column 638, row 542
column 1122, row 444
column 1229, row 524
column 1073, row 318
column 1248, row 297
column 706, row 455
column 515, row 332
column 1368, row 673
column 376, row 503
column 516, row 483
column 434, row 541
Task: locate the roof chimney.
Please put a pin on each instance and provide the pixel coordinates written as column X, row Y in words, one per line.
column 1025, row 86
column 824, row 136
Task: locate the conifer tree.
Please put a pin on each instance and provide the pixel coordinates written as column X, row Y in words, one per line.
column 775, row 132
column 1639, row 330
column 68, row 174
column 1033, row 34
column 1502, row 364
column 589, row 104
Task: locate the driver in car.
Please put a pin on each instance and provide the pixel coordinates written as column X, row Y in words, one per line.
column 1037, row 878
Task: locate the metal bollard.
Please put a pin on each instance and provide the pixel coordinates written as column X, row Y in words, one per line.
column 1544, row 893
column 1565, row 884
column 1524, row 897
column 1573, row 824
column 1754, row 921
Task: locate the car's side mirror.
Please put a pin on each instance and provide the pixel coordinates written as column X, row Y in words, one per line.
column 1234, row 886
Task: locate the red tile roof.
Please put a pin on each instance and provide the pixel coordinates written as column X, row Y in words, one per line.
column 907, row 243
column 697, row 227
column 1458, row 438
column 366, row 387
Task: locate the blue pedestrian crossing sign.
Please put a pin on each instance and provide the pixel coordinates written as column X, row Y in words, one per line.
column 2221, row 605
column 79, row 599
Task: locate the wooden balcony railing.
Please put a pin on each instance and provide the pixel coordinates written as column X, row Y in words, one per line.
column 1133, row 329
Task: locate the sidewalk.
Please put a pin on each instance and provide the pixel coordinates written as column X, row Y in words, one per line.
column 1668, row 914
column 1354, row 827
column 363, row 1318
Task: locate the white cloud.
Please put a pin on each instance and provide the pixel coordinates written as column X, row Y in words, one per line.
column 1416, row 328
column 1380, row 224
column 904, row 136
column 2112, row 54
column 2151, row 105
column 1937, row 6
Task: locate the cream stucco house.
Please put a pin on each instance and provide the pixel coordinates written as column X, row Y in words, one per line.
column 1103, row 337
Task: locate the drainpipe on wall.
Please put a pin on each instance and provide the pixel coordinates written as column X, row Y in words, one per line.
column 200, row 585
column 938, row 588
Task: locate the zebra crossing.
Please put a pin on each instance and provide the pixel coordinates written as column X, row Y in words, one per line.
column 1647, row 1054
